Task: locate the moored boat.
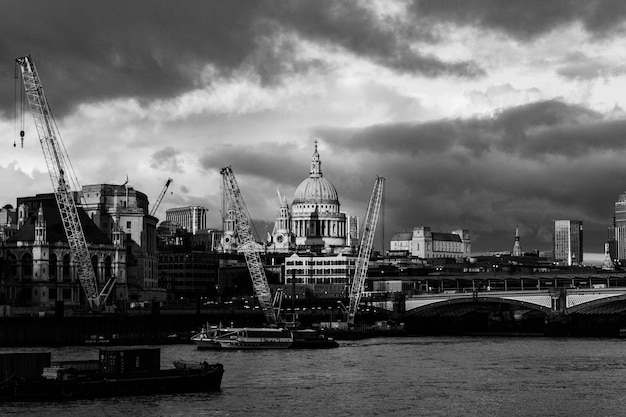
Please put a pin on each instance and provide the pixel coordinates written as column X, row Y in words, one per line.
column 118, row 372
column 262, row 338
column 205, row 340
column 312, row 339
column 256, row 338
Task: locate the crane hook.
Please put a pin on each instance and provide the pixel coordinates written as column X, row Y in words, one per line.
column 21, row 138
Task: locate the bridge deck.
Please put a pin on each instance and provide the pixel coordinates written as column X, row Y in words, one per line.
column 517, row 282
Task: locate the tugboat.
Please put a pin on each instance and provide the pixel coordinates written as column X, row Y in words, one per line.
column 117, row 372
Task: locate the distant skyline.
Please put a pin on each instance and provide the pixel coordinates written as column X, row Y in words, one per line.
column 481, row 115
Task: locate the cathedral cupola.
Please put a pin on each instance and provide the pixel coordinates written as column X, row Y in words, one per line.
column 316, row 189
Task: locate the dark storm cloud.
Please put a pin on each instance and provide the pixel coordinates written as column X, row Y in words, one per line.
column 526, row 165
column 529, row 164
column 533, row 130
column 358, row 30
column 167, row 159
column 89, row 50
column 274, row 163
column 526, row 19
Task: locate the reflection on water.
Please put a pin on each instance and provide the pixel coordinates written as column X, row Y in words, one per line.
column 426, row 376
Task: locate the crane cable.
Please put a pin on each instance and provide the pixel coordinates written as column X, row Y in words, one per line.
column 22, row 104
column 15, row 106
column 16, row 85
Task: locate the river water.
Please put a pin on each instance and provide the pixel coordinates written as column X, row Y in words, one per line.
column 417, row 376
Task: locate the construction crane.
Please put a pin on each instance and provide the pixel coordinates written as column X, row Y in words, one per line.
column 248, row 245
column 57, row 161
column 155, row 207
column 365, row 249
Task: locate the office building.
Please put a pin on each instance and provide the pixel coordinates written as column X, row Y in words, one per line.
column 568, row 242
column 192, row 218
column 619, row 227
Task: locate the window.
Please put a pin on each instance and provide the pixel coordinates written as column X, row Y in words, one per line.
column 128, row 224
column 66, row 268
column 27, row 266
column 53, row 266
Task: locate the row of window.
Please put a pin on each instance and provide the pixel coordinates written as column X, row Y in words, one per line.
column 186, row 266
column 325, row 271
column 66, row 294
column 319, row 280
column 320, row 263
column 187, row 274
column 320, row 208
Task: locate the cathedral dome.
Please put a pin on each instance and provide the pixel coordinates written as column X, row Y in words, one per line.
column 316, row 189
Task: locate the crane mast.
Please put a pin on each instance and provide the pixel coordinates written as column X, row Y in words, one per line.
column 244, row 231
column 55, row 162
column 365, row 249
column 158, row 201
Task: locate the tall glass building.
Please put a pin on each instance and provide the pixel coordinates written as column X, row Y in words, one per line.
column 568, row 241
column 619, row 228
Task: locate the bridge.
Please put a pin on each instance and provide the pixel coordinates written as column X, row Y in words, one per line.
column 562, row 300
column 587, row 293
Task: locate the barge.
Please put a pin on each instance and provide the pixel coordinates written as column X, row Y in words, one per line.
column 117, row 372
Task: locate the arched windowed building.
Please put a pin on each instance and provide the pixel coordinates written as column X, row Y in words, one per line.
column 42, row 269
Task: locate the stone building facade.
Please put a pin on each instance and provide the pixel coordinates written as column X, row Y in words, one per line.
column 116, row 208
column 426, row 244
column 41, row 270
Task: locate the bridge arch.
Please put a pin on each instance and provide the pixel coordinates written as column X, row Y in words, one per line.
column 454, row 303
column 589, row 306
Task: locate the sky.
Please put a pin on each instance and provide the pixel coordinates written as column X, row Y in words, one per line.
column 480, row 114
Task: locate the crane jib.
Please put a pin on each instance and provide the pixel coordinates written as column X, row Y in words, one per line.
column 54, row 157
column 365, row 249
column 248, row 244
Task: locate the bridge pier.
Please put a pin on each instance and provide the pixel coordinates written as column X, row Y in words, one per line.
column 557, row 324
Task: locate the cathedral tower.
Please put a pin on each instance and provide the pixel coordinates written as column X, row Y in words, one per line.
column 282, row 240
